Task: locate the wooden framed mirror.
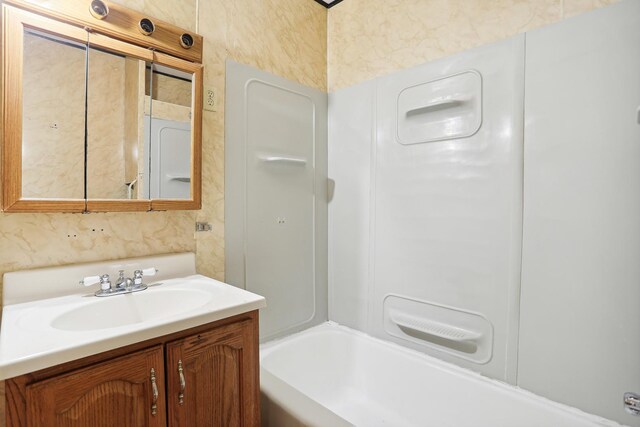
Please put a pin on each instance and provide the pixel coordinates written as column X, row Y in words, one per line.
column 96, row 123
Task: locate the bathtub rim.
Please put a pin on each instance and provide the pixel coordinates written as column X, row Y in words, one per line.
column 269, row 347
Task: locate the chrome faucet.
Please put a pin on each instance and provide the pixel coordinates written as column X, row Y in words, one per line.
column 124, row 282
column 124, row 285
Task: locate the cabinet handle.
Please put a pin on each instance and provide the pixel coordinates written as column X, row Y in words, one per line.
column 154, row 388
column 183, row 383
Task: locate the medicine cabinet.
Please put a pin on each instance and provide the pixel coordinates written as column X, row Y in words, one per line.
column 102, row 110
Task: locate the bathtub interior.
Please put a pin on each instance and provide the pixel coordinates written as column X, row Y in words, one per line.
column 282, row 405
column 369, row 382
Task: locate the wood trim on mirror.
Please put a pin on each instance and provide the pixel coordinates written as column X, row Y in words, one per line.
column 120, row 47
column 112, row 205
column 14, row 22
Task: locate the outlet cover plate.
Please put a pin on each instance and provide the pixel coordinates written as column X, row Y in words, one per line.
column 210, row 99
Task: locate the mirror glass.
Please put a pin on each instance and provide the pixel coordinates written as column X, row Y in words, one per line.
column 168, row 121
column 115, row 129
column 53, row 88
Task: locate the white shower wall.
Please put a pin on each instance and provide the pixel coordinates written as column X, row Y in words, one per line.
column 428, row 233
column 580, row 328
column 276, row 203
column 419, row 228
column 351, row 136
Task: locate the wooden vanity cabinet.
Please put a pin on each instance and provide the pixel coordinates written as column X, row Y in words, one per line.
column 204, row 376
column 216, row 364
column 119, row 392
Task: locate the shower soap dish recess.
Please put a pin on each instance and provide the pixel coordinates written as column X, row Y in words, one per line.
column 446, row 108
column 432, row 327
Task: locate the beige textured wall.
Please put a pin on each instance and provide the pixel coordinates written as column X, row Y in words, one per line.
column 171, row 90
column 106, row 126
column 286, row 37
column 167, row 111
column 133, row 119
column 53, row 127
column 53, row 113
column 370, row 38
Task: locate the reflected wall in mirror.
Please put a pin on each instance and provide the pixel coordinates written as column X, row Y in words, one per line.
column 168, row 123
column 115, row 131
column 53, row 117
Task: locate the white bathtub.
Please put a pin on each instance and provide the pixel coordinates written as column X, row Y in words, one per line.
column 332, row 376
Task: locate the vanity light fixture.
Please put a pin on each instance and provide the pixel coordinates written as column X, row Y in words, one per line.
column 186, row 40
column 98, row 9
column 146, row 27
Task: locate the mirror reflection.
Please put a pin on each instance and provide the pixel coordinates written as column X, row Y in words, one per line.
column 168, row 119
column 53, row 117
column 138, row 124
column 115, row 132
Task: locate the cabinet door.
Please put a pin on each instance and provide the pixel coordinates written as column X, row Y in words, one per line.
column 212, row 378
column 126, row 391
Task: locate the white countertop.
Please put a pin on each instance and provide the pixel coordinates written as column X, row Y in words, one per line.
column 29, row 342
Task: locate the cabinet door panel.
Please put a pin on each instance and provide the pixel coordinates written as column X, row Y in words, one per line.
column 118, row 392
column 219, row 369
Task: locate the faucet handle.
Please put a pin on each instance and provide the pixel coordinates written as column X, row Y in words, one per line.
column 104, row 281
column 90, row 280
column 149, row 271
column 138, row 274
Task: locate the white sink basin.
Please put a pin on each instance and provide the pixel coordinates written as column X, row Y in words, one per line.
column 119, row 310
column 36, row 333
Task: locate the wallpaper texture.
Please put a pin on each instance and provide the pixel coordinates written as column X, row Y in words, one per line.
column 370, row 38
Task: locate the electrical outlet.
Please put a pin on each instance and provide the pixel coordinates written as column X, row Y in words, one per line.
column 210, row 99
